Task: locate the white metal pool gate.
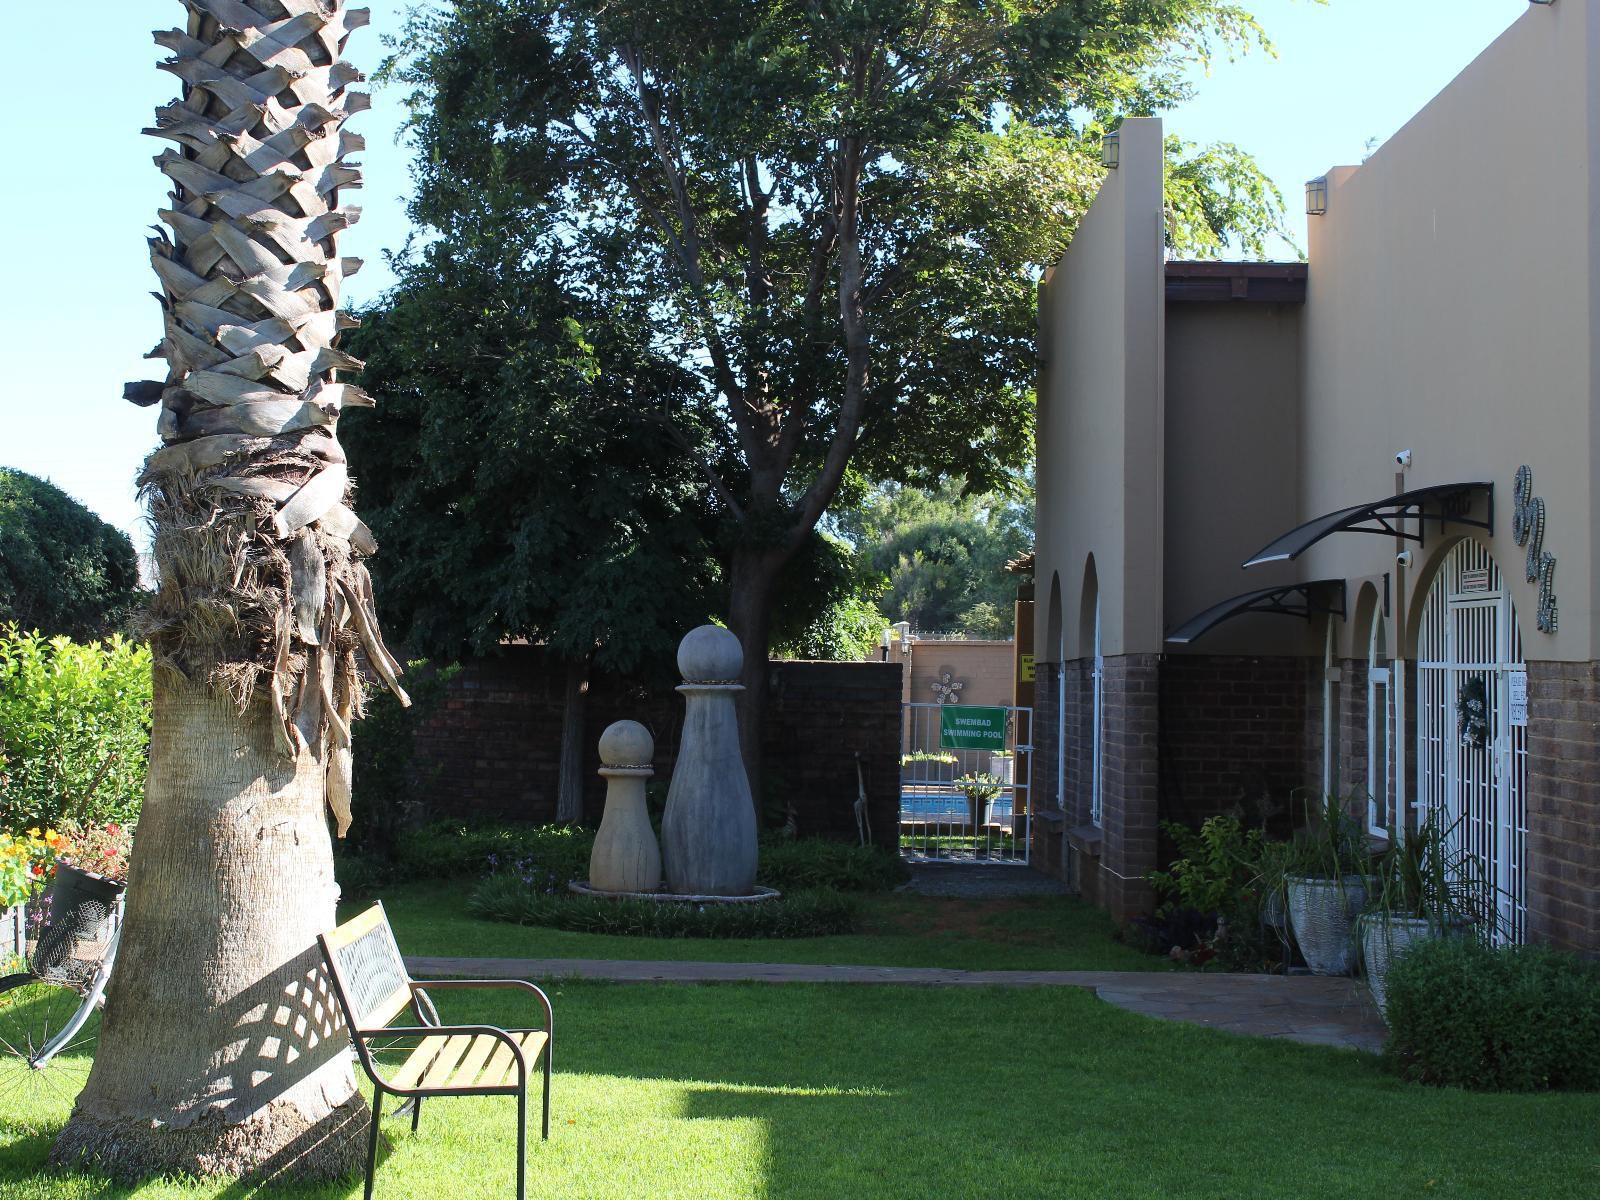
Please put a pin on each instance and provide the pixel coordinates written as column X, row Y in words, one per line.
column 1476, row 788
column 943, row 821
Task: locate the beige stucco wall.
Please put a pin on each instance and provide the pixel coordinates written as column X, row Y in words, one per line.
column 983, row 668
column 1451, row 311
column 1101, row 336
column 1232, row 434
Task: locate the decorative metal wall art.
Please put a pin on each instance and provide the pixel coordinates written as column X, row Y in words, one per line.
column 948, row 688
column 1527, row 527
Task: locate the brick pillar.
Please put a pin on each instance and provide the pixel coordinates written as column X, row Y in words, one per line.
column 1564, row 804
column 1045, row 854
column 1130, row 770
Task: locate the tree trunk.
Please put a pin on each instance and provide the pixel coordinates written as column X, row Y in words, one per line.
column 221, row 1051
column 569, row 789
column 749, row 604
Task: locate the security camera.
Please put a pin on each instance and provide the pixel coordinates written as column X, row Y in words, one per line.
column 1403, row 558
column 1402, row 458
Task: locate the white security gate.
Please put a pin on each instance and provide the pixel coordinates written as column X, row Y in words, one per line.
column 965, row 805
column 1472, row 768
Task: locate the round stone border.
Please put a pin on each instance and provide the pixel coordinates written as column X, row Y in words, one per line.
column 756, row 897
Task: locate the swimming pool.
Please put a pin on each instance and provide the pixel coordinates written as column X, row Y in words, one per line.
column 950, row 807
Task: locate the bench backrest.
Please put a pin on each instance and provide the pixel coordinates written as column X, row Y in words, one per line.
column 368, row 972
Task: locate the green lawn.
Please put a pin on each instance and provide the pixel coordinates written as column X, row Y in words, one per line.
column 1055, row 933
column 814, row 1091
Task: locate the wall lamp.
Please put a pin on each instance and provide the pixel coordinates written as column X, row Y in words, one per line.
column 1317, row 195
column 1111, row 150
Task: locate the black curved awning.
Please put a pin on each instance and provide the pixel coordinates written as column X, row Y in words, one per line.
column 1443, row 502
column 1291, row 600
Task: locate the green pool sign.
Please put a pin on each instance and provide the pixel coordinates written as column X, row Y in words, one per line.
column 972, row 727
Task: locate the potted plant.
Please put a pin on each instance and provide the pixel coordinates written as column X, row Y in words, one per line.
column 1000, row 762
column 67, row 937
column 1422, row 890
column 1325, row 884
column 980, row 788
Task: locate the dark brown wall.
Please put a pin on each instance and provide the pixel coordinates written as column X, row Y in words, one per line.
column 1564, row 804
column 491, row 751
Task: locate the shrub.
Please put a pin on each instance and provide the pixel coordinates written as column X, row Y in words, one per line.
column 1510, row 1018
column 1209, row 899
column 74, row 730
column 389, row 786
column 505, row 897
column 803, row 864
column 62, row 569
column 450, row 850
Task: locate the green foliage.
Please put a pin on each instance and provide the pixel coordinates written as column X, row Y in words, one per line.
column 824, row 604
column 1332, row 843
column 71, row 714
column 1209, row 900
column 1216, row 868
column 804, row 864
column 455, row 850
column 62, row 569
column 517, row 467
column 389, row 788
column 802, row 914
column 944, row 554
column 1508, row 1018
column 828, row 219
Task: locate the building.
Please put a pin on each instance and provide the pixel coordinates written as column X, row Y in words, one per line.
column 1401, row 437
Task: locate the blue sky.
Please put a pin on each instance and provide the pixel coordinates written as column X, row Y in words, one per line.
column 76, row 315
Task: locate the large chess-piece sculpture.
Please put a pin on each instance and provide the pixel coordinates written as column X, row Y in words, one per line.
column 625, row 856
column 708, row 834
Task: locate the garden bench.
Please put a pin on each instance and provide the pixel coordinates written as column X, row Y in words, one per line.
column 428, row 1058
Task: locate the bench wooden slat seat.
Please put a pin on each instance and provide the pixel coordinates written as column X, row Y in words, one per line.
column 373, row 989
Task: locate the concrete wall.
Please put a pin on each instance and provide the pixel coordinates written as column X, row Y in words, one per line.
column 1101, row 322
column 1232, row 438
column 984, row 669
column 1451, row 310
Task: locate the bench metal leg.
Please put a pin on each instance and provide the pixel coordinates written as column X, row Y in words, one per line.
column 545, row 1114
column 522, row 1144
column 416, row 1112
column 372, row 1139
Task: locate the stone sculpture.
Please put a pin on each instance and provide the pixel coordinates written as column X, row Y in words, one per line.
column 625, row 857
column 708, row 834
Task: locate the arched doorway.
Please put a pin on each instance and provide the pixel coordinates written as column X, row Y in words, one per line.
column 1472, row 769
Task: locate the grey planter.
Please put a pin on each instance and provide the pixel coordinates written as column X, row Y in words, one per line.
column 1322, row 914
column 1385, row 938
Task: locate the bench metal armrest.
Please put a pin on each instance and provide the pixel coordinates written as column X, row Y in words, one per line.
column 427, row 985
column 433, row 1031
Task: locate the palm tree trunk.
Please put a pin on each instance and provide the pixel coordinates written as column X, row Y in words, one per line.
column 220, row 1052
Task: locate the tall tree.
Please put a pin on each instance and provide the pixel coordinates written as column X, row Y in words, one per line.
column 517, row 486
column 944, row 554
column 62, row 569
column 219, row 1052
column 837, row 208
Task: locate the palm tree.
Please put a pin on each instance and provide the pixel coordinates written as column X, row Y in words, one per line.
column 219, row 1051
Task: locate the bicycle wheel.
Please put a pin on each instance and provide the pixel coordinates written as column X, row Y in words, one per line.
column 33, row 1014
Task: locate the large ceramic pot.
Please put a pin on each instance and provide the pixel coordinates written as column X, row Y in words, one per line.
column 1384, row 938
column 1322, row 914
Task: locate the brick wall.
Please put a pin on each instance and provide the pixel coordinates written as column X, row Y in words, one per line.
column 1130, row 782
column 1234, row 734
column 1564, row 804
column 492, row 750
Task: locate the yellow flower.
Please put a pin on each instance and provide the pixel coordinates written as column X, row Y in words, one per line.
column 34, row 832
column 52, row 839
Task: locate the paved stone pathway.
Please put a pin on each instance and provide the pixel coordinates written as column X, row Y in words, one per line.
column 1329, row 1012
